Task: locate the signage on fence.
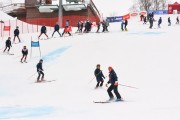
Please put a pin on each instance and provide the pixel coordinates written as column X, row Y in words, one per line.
column 127, row 16
column 110, row 19
column 118, row 19
column 158, row 12
column 143, row 13
column 7, row 28
column 134, row 14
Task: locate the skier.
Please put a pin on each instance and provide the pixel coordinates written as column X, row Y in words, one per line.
column 40, row 71
column 114, row 85
column 107, row 25
column 78, row 26
column 104, row 26
column 122, row 25
column 56, row 29
column 99, row 76
column 125, row 25
column 81, row 26
column 159, row 22
column 98, row 26
column 145, row 20
column 169, row 21
column 16, row 34
column 24, row 53
column 8, row 44
column 43, row 31
column 177, row 20
column 67, row 30
column 151, row 22
column 141, row 17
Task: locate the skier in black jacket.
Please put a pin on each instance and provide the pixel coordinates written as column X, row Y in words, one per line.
column 24, row 53
column 40, row 71
column 16, row 34
column 98, row 26
column 56, row 29
column 8, row 44
column 159, row 22
column 113, row 80
column 99, row 76
column 169, row 21
column 43, row 31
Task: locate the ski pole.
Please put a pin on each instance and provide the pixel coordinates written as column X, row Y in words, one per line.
column 31, row 76
column 128, row 86
column 91, row 80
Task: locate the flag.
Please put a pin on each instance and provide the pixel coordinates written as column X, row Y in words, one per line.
column 35, row 44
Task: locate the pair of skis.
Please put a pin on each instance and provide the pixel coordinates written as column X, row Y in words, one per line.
column 108, row 101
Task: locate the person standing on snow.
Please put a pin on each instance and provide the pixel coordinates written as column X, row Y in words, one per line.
column 122, row 25
column 169, row 21
column 113, row 80
column 43, row 31
column 56, row 29
column 151, row 20
column 8, row 44
column 16, row 34
column 24, row 53
column 125, row 25
column 40, row 71
column 99, row 76
column 98, row 26
column 159, row 22
column 145, row 20
column 177, row 20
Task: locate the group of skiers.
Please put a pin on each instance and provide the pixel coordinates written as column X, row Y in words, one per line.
column 150, row 18
column 113, row 81
column 88, row 26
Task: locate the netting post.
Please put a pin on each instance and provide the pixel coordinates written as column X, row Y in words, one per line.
column 1, row 29
column 10, row 28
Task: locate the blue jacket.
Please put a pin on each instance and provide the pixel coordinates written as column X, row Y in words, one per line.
column 56, row 27
column 99, row 75
column 112, row 77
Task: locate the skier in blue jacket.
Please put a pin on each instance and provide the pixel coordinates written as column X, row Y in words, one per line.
column 99, row 76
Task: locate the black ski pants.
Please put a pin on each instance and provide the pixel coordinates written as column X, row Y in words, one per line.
column 115, row 88
column 39, row 75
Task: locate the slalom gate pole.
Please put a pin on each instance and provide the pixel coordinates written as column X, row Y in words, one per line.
column 128, row 86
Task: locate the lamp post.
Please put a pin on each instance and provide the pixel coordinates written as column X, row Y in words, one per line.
column 60, row 19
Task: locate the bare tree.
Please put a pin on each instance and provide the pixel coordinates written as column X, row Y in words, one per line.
column 135, row 6
column 145, row 4
column 164, row 4
column 157, row 4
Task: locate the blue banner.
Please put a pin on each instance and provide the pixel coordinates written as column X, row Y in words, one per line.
column 158, row 12
column 114, row 19
column 35, row 44
column 118, row 18
column 110, row 19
